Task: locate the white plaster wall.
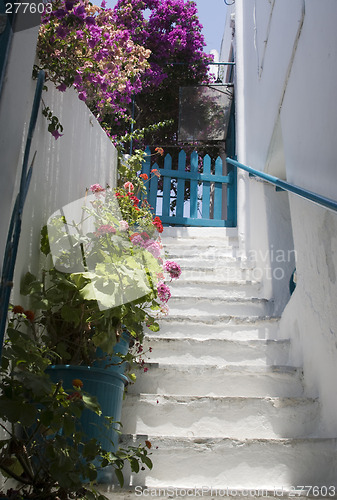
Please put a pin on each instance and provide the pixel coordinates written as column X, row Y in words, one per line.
column 309, row 122
column 263, row 214
column 286, row 55
column 63, row 168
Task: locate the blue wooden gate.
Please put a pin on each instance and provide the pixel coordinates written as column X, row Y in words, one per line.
column 212, row 195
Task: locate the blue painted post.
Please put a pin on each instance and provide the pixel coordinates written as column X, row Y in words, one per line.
column 217, row 214
column 231, row 197
column 181, row 184
column 206, row 189
column 194, row 186
column 167, row 186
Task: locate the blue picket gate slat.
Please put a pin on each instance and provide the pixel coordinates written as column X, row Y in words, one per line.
column 181, row 184
column 218, row 191
column 206, row 189
column 167, row 185
column 194, row 187
column 199, row 183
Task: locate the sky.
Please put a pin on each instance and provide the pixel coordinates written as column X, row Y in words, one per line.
column 212, row 16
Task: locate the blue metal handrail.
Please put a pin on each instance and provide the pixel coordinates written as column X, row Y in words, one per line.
column 16, row 219
column 286, row 186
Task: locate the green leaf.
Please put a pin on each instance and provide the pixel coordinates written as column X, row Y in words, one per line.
column 148, row 462
column 154, row 327
column 92, row 403
column 68, row 425
column 71, row 314
column 13, row 465
column 12, row 411
column 46, row 417
column 120, row 477
column 44, row 245
column 90, row 449
column 134, row 464
column 26, row 283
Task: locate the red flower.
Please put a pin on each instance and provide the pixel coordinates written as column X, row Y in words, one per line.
column 29, row 315
column 158, row 224
column 145, row 236
column 74, row 396
column 77, row 382
column 18, row 310
column 156, row 172
column 160, row 151
column 144, row 176
column 129, row 186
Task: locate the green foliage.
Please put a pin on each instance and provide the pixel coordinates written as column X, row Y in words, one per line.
column 105, row 280
column 43, row 447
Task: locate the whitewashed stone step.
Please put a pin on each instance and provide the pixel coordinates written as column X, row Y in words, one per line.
column 231, row 380
column 219, row 328
column 199, row 236
column 224, row 320
column 221, row 275
column 239, row 464
column 206, row 250
column 191, row 261
column 215, row 352
column 216, row 290
column 204, row 306
column 240, row 418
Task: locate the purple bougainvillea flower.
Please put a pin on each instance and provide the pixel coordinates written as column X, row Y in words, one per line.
column 56, row 134
column 62, row 87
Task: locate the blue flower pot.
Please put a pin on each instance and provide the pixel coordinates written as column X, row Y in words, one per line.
column 108, row 387
column 113, row 362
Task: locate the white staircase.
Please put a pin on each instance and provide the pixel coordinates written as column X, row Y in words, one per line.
column 220, row 404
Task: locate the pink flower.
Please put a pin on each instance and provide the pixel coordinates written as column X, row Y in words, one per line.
column 153, row 247
column 129, row 186
column 96, row 188
column 123, row 225
column 137, row 240
column 173, row 269
column 164, row 309
column 164, row 293
column 105, row 229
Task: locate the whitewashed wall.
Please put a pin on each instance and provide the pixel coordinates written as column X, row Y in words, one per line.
column 63, row 168
column 286, row 56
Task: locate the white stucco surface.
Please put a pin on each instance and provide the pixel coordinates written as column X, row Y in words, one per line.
column 63, row 168
column 286, row 69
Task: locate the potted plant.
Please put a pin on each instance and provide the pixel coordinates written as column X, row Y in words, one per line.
column 43, row 448
column 103, row 279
